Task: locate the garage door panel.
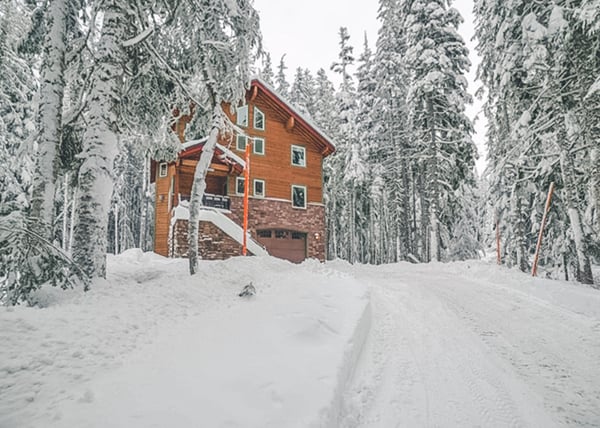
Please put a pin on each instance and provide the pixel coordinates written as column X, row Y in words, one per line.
column 285, row 244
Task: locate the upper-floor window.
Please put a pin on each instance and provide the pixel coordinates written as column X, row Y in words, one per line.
column 259, row 146
column 163, row 169
column 239, row 185
column 298, row 196
column 298, row 156
column 259, row 188
column 242, row 116
column 259, row 119
column 241, row 142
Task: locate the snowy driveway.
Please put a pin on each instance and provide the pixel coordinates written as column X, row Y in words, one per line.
column 472, row 345
column 334, row 345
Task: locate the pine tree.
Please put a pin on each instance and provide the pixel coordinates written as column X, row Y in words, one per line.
column 283, row 87
column 438, row 62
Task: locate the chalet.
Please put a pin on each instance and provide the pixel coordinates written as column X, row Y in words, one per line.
column 286, row 215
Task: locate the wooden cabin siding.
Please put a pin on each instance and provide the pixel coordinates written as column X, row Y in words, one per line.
column 275, row 166
column 162, row 216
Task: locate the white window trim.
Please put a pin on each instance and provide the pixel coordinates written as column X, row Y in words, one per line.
column 237, row 142
column 256, row 109
column 160, row 169
column 305, row 196
column 254, row 188
column 254, row 146
column 237, row 180
column 292, row 155
column 238, row 116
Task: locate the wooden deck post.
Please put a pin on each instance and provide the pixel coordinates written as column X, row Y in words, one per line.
column 539, row 241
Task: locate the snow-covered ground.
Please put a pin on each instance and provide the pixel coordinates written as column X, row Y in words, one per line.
column 453, row 345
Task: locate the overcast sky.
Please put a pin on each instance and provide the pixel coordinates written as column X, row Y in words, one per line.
column 307, row 33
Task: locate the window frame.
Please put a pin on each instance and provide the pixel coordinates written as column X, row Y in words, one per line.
column 237, row 142
column 239, row 179
column 254, row 114
column 298, row 186
column 254, row 146
column 161, row 166
column 303, row 149
column 238, row 116
column 256, row 180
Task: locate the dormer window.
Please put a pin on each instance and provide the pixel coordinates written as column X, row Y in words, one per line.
column 259, row 119
column 242, row 116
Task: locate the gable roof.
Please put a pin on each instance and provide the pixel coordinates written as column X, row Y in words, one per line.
column 326, row 143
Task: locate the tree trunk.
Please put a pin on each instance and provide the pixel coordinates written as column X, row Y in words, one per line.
column 595, row 182
column 49, row 120
column 434, row 228
column 144, row 207
column 65, row 219
column 520, row 242
column 566, row 137
column 198, row 188
column 584, row 271
column 100, row 145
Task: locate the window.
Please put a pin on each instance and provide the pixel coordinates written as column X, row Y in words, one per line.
column 264, row 233
column 241, row 142
column 298, row 196
column 298, row 235
column 298, row 156
column 259, row 146
column 280, row 234
column 259, row 188
column 163, row 168
column 259, row 119
column 242, row 116
column 239, row 185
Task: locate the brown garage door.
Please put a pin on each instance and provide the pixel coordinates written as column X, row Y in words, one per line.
column 285, row 244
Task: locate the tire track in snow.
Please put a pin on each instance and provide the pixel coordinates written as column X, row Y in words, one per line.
column 423, row 366
column 560, row 361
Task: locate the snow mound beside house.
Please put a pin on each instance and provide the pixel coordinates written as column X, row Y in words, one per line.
column 152, row 346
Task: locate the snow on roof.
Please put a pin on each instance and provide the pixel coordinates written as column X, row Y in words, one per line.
column 294, row 110
column 192, row 143
column 226, row 152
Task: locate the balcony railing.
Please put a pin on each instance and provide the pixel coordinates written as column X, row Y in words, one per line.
column 209, row 200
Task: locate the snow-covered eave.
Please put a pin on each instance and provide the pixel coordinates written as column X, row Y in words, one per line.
column 226, row 153
column 288, row 105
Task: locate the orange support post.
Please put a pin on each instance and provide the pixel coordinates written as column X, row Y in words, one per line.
column 542, row 226
column 246, row 197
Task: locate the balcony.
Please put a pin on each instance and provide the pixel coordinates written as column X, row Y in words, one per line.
column 213, row 201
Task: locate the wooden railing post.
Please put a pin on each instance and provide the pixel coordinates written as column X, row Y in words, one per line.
column 539, row 241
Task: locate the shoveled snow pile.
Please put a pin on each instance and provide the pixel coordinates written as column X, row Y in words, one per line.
column 153, row 347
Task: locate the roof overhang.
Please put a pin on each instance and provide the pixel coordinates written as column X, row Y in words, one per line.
column 326, row 144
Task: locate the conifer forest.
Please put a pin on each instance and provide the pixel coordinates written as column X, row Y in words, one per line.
column 88, row 89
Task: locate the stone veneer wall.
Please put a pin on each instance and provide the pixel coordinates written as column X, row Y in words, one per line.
column 214, row 244
column 274, row 214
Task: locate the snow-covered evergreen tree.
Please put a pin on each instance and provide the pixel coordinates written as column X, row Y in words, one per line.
column 438, row 61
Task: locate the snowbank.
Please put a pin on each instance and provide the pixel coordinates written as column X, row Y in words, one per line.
column 154, row 347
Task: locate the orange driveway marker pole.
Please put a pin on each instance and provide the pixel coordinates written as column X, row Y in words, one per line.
column 539, row 241
column 246, row 197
